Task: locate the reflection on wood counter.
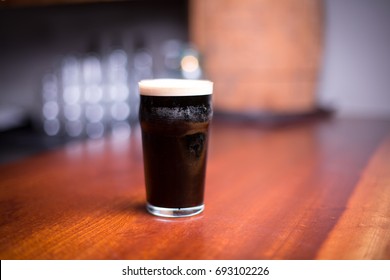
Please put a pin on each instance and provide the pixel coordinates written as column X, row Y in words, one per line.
column 312, row 190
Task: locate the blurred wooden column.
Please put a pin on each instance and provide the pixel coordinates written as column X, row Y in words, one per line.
column 263, row 55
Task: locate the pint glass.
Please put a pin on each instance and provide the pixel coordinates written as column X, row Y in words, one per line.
column 175, row 116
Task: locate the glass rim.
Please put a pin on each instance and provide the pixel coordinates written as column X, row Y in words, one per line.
column 175, row 87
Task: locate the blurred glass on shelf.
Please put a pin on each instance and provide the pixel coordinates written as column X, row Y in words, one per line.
column 91, row 95
column 171, row 51
column 190, row 64
column 181, row 60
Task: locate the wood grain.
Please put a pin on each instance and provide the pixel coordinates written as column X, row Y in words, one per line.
column 363, row 230
column 311, row 190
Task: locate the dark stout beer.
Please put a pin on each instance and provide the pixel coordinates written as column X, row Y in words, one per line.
column 174, row 138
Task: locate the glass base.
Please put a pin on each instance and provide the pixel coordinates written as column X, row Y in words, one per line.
column 174, row 212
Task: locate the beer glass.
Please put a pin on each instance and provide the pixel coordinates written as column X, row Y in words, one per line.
column 175, row 116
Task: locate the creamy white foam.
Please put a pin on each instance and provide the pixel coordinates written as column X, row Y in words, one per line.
column 175, row 87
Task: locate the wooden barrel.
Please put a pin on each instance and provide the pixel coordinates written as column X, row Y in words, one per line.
column 263, row 55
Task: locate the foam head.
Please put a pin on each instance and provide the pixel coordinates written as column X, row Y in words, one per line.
column 175, row 87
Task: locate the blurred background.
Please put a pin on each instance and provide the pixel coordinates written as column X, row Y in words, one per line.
column 69, row 68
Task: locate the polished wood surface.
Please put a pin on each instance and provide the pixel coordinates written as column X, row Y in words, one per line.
column 317, row 189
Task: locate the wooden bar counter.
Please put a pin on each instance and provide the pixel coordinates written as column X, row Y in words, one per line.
column 315, row 189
